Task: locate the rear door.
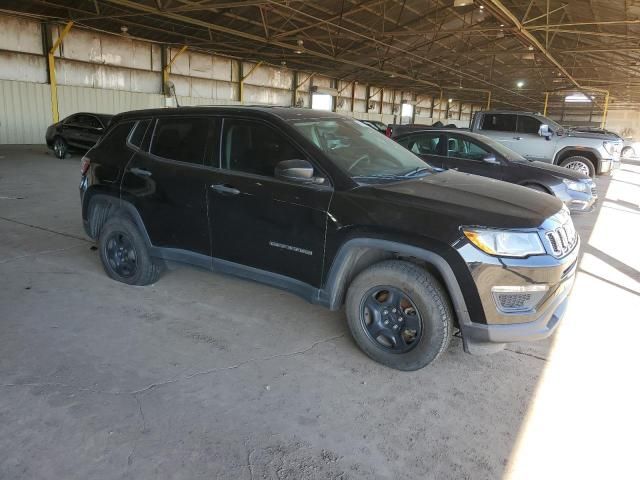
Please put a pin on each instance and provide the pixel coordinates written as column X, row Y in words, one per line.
column 257, row 220
column 427, row 145
column 72, row 131
column 166, row 181
column 467, row 155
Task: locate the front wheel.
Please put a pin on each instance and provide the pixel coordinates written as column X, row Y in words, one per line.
column 60, row 147
column 399, row 315
column 627, row 152
column 580, row 164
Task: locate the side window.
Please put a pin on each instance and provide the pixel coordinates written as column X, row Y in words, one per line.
column 527, row 124
column 502, row 122
column 182, row 139
column 71, row 120
column 117, row 135
column 422, row 143
column 463, row 148
column 254, row 147
column 138, row 132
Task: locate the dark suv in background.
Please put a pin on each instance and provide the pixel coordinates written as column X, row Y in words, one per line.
column 331, row 210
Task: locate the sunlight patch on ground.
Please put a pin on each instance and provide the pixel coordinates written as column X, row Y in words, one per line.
column 584, row 420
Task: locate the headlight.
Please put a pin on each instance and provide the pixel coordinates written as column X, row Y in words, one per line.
column 610, row 147
column 505, row 243
column 577, row 186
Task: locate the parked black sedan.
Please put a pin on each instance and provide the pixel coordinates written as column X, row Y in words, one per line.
column 472, row 153
column 80, row 131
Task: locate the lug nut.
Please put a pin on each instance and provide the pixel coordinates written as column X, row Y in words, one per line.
column 386, row 322
column 386, row 312
column 394, row 310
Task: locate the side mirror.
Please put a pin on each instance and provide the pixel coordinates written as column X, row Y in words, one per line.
column 300, row 171
column 491, row 158
column 544, row 131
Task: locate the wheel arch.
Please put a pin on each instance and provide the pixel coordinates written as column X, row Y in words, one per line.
column 99, row 207
column 590, row 153
column 357, row 254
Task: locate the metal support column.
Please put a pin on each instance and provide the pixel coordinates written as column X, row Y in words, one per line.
column 606, row 110
column 546, row 103
column 52, row 71
column 243, row 78
column 165, row 70
column 489, row 100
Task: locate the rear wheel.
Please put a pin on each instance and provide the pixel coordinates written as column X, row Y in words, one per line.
column 124, row 253
column 60, row 147
column 580, row 164
column 399, row 315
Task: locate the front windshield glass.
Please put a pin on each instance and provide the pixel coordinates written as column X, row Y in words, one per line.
column 359, row 150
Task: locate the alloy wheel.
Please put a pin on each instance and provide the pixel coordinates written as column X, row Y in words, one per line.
column 578, row 166
column 391, row 319
column 121, row 255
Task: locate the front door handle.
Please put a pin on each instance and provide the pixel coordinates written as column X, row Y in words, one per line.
column 225, row 189
column 517, row 138
column 140, row 172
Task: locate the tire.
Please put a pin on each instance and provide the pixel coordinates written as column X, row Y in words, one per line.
column 627, row 152
column 60, row 148
column 581, row 164
column 423, row 302
column 124, row 253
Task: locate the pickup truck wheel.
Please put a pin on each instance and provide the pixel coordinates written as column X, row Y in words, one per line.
column 399, row 315
column 124, row 253
column 627, row 152
column 581, row 164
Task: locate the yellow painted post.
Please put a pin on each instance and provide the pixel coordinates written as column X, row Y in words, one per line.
column 52, row 71
column 606, row 110
column 245, row 77
column 546, row 103
column 165, row 70
column 489, row 100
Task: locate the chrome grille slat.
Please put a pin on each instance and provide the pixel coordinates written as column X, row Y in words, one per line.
column 562, row 239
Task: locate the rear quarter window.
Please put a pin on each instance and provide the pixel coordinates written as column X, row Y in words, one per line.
column 500, row 122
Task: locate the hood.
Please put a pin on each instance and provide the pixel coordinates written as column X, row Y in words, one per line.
column 472, row 200
column 594, row 135
column 555, row 170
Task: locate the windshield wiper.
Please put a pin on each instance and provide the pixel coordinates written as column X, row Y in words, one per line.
column 417, row 170
column 387, row 176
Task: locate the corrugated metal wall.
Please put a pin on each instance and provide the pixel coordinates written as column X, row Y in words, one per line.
column 73, row 99
column 25, row 111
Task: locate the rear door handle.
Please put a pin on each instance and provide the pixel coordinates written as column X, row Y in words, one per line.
column 225, row 189
column 140, row 172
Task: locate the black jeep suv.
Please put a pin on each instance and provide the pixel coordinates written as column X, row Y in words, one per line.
column 331, row 210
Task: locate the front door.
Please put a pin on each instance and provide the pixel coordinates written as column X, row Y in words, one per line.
column 260, row 221
column 534, row 147
column 468, row 156
column 502, row 128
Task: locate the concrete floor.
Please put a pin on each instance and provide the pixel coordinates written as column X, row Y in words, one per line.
column 206, row 376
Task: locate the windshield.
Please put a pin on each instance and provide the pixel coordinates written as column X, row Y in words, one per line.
column 359, row 150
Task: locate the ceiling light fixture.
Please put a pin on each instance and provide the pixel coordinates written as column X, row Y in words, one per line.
column 520, row 84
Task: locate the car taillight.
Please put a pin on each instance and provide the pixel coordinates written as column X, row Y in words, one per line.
column 388, row 132
column 84, row 165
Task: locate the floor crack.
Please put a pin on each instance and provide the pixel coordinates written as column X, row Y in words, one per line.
column 528, row 354
column 176, row 379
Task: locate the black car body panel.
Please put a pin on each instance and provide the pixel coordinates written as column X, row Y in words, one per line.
column 502, row 164
column 311, row 238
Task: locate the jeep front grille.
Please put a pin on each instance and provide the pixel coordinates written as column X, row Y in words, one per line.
column 562, row 239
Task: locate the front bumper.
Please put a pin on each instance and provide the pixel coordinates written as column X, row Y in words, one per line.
column 538, row 323
column 578, row 202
